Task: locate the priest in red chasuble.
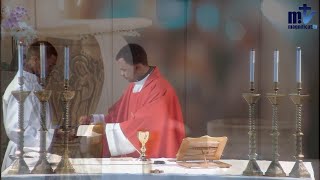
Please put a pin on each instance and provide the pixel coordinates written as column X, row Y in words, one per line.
column 149, row 103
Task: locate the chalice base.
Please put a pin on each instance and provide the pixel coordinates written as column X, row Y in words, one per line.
column 143, row 158
column 64, row 167
column 299, row 170
column 275, row 170
column 19, row 167
column 252, row 169
column 42, row 167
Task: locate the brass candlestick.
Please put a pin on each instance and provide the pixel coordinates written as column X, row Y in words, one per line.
column 143, row 137
column 43, row 166
column 252, row 168
column 65, row 166
column 299, row 170
column 275, row 168
column 20, row 166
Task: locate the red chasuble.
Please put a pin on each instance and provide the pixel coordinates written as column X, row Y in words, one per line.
column 155, row 109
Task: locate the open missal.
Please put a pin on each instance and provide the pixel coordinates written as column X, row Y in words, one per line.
column 202, row 152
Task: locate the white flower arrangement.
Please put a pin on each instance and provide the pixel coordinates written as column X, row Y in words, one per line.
column 15, row 22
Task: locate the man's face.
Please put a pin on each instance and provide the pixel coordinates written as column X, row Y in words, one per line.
column 126, row 70
column 50, row 63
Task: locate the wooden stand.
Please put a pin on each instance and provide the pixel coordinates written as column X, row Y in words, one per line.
column 203, row 152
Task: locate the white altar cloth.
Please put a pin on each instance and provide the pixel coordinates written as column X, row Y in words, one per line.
column 124, row 169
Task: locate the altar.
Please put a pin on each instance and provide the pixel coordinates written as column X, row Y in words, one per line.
column 131, row 168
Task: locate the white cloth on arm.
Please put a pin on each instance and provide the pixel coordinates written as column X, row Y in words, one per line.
column 118, row 143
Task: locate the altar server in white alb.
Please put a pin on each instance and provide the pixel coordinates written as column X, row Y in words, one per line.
column 31, row 74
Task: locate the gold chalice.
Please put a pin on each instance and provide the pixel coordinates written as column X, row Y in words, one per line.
column 143, row 137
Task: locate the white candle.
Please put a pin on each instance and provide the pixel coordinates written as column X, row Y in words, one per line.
column 276, row 66
column 20, row 60
column 66, row 62
column 42, row 60
column 252, row 62
column 298, row 70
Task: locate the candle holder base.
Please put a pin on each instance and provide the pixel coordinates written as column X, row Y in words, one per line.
column 42, row 167
column 298, row 99
column 20, row 96
column 251, row 98
column 275, row 170
column 43, row 95
column 64, row 166
column 252, row 169
column 274, row 98
column 19, row 167
column 299, row 170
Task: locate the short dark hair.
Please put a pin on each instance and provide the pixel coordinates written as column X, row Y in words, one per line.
column 34, row 49
column 133, row 54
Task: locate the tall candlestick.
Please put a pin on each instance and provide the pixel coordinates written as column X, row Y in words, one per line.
column 252, row 62
column 42, row 60
column 66, row 62
column 20, row 59
column 276, row 66
column 298, row 70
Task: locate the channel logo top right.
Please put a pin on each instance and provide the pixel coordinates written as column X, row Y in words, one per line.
column 300, row 19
